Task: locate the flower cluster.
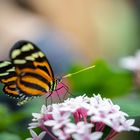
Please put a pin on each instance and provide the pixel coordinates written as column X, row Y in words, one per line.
column 131, row 62
column 82, row 118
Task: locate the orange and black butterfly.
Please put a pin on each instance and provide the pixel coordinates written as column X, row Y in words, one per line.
column 28, row 74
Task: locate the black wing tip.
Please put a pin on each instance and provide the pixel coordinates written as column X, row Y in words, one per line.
column 19, row 44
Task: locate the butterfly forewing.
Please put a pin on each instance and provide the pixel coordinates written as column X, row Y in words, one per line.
column 34, row 73
column 8, row 77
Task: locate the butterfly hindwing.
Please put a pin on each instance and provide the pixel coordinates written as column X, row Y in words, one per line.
column 8, row 77
column 34, row 73
column 7, row 71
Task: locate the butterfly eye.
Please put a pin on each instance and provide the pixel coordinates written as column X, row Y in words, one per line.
column 59, row 80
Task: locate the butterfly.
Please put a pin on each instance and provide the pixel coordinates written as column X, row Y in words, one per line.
column 29, row 73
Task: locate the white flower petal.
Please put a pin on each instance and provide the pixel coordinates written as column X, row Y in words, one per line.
column 130, row 121
column 33, row 125
column 33, row 134
column 43, row 109
column 96, row 135
column 42, row 134
column 50, row 123
column 36, row 115
column 29, row 139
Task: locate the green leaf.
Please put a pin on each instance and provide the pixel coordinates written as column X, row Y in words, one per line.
column 8, row 118
column 103, row 79
column 129, row 105
column 9, row 136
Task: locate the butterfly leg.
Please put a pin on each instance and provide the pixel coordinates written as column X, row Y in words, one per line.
column 46, row 102
column 65, row 86
column 67, row 90
column 58, row 93
column 46, row 99
column 58, row 96
column 51, row 99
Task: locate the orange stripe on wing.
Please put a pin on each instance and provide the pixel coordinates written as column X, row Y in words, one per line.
column 29, row 90
column 44, row 64
column 10, row 92
column 12, row 86
column 9, row 79
column 39, row 71
column 34, row 80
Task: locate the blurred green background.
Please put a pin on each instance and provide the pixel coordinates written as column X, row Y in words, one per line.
column 74, row 34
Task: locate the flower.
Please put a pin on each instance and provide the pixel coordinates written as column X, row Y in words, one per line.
column 35, row 136
column 80, row 128
column 59, row 119
column 84, row 118
column 131, row 62
column 88, row 136
column 58, row 122
column 39, row 118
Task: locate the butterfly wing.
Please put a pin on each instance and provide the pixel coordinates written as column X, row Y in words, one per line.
column 34, row 73
column 8, row 77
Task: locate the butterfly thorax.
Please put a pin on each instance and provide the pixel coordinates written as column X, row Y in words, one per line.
column 54, row 85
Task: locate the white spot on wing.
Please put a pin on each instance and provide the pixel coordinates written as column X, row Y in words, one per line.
column 12, row 69
column 3, row 74
column 19, row 61
column 27, row 47
column 5, row 63
column 30, row 58
column 15, row 53
column 35, row 55
column 40, row 54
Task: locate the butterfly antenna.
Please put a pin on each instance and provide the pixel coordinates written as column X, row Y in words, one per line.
column 70, row 74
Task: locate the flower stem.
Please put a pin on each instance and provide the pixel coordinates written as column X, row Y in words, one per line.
column 111, row 135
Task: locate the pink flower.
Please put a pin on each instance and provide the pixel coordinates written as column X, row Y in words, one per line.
column 80, row 128
column 88, row 136
column 40, row 118
column 84, row 118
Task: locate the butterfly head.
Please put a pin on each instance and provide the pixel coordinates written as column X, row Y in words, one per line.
column 54, row 84
column 58, row 80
